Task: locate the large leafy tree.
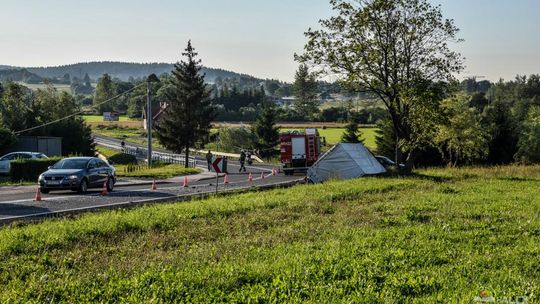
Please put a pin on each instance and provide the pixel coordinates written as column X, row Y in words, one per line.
column 461, row 137
column 52, row 105
column 529, row 141
column 265, row 128
column 305, row 92
column 186, row 121
column 398, row 50
column 15, row 107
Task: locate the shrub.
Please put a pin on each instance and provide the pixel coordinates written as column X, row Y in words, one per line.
column 30, row 169
column 122, row 159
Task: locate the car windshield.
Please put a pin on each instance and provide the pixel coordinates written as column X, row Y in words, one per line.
column 71, row 164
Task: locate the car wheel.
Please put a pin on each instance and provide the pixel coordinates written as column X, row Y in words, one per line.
column 83, row 186
column 110, row 184
column 44, row 191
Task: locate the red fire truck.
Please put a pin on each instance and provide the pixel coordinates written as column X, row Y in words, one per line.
column 299, row 150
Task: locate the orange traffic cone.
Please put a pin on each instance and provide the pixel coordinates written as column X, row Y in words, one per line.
column 104, row 190
column 262, row 175
column 226, row 179
column 154, row 186
column 185, row 182
column 250, row 177
column 38, row 195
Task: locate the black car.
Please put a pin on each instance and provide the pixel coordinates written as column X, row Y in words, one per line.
column 388, row 163
column 77, row 174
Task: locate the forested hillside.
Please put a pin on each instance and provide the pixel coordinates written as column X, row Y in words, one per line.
column 18, row 75
column 124, row 70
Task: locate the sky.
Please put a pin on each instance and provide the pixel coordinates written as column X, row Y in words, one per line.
column 249, row 36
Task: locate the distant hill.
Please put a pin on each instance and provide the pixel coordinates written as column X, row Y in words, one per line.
column 123, row 70
column 22, row 75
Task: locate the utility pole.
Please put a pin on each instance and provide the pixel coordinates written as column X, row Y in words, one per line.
column 149, row 123
column 149, row 118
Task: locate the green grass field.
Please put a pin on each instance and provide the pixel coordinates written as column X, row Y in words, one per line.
column 59, row 87
column 99, row 118
column 441, row 236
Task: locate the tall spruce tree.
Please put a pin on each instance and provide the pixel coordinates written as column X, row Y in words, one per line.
column 186, row 121
column 352, row 133
column 305, row 93
column 104, row 91
column 265, row 128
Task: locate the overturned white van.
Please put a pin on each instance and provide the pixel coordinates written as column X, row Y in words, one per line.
column 345, row 161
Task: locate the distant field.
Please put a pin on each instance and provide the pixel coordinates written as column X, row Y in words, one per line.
column 60, row 87
column 333, row 135
column 440, row 236
column 124, row 122
column 356, row 104
column 99, row 118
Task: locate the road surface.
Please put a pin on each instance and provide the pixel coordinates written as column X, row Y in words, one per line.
column 17, row 203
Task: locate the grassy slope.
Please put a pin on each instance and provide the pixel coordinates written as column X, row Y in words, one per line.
column 158, row 172
column 441, row 236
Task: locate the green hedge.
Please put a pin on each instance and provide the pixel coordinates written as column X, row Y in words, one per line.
column 30, row 169
column 122, row 159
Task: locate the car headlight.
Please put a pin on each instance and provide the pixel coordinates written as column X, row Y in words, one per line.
column 40, row 177
column 73, row 177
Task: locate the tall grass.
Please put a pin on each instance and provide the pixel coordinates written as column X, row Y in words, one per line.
column 440, row 236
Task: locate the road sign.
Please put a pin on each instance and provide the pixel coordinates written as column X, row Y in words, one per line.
column 219, row 165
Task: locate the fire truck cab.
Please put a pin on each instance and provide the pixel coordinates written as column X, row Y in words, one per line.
column 299, row 150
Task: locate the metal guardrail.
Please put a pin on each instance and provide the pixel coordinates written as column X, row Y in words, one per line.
column 141, row 153
column 168, row 158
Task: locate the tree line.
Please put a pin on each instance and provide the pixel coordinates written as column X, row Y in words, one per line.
column 22, row 108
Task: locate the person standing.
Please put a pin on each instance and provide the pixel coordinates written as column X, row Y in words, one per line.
column 209, row 157
column 249, row 159
column 242, row 161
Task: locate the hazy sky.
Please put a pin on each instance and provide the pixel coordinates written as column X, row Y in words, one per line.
column 249, row 36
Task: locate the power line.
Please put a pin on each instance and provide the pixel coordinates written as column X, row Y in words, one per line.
column 77, row 113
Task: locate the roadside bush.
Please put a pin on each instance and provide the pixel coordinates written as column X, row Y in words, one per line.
column 235, row 139
column 6, row 139
column 30, row 169
column 122, row 159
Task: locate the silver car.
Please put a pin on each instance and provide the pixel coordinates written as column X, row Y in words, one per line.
column 6, row 159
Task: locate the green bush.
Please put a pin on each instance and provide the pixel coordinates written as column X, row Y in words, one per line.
column 122, row 159
column 30, row 169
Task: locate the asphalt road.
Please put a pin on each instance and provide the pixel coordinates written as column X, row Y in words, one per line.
column 17, row 203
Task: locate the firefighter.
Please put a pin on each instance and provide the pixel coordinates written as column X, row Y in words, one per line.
column 209, row 160
column 242, row 161
column 248, row 158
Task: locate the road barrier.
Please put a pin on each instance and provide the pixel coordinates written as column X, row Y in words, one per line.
column 141, row 154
